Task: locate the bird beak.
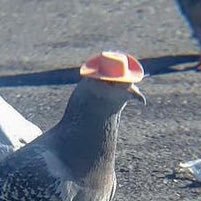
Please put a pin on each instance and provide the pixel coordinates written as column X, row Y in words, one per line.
column 134, row 90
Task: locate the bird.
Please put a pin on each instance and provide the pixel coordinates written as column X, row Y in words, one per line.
column 191, row 10
column 15, row 130
column 75, row 160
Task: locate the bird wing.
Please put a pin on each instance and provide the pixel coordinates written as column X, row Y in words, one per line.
column 35, row 173
column 5, row 150
column 15, row 130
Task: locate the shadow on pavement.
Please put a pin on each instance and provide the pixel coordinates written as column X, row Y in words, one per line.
column 152, row 67
column 194, row 184
column 169, row 64
column 53, row 77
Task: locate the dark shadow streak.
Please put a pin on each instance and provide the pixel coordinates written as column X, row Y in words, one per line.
column 194, row 184
column 152, row 66
column 168, row 64
column 173, row 176
column 54, row 77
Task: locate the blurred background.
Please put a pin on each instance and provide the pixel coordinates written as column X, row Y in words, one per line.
column 48, row 34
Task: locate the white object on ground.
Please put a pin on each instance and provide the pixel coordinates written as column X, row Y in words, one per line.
column 194, row 167
column 15, row 130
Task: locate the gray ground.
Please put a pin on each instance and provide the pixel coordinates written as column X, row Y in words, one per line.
column 44, row 35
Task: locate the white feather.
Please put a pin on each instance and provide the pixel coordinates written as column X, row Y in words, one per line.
column 15, row 130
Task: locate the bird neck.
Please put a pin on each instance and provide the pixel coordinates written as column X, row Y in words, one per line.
column 88, row 134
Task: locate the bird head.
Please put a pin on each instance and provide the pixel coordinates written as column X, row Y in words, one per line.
column 115, row 74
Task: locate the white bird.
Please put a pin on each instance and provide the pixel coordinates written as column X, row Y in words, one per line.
column 15, row 130
column 75, row 160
